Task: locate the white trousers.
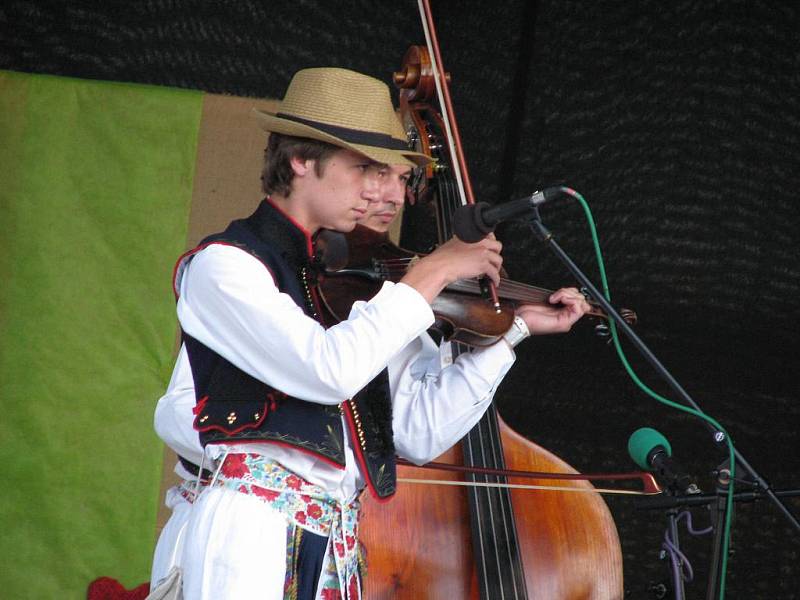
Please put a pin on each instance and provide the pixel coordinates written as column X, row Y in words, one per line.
column 234, row 548
column 170, row 542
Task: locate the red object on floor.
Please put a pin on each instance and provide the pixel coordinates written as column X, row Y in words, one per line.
column 107, row 588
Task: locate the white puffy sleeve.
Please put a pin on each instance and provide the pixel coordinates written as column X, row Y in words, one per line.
column 435, row 407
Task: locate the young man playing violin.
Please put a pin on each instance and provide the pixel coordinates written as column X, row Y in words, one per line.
column 295, row 418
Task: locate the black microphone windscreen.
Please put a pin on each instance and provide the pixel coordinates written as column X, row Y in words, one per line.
column 468, row 224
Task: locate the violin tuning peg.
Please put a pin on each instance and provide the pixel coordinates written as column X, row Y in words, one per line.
column 601, row 330
column 630, row 316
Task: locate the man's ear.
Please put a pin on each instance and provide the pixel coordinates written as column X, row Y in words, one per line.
column 301, row 166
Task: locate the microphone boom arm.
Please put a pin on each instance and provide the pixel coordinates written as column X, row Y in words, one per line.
column 544, row 235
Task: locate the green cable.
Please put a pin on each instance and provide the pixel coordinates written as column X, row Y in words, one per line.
column 651, row 393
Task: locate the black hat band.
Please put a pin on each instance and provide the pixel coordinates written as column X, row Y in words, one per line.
column 353, row 136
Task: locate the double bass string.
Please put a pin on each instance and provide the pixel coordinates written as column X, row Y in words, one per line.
column 493, row 510
column 494, row 523
column 447, row 200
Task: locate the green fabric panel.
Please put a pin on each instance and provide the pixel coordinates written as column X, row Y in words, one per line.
column 95, row 188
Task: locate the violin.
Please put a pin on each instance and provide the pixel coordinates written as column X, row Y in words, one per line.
column 357, row 263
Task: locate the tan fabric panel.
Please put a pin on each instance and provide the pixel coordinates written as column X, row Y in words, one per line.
column 227, row 186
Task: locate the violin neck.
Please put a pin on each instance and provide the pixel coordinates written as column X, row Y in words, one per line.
column 507, row 290
column 514, row 291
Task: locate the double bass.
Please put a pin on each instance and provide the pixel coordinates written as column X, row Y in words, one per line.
column 487, row 539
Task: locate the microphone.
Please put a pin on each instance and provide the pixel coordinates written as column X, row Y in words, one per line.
column 651, row 451
column 473, row 222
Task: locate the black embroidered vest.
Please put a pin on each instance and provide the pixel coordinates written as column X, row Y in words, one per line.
column 233, row 406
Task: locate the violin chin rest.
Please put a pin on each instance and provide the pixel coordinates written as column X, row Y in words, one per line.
column 332, row 249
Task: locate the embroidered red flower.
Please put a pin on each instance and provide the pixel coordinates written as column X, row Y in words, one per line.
column 305, row 498
column 268, row 495
column 339, row 549
column 300, row 517
column 314, row 511
column 234, row 466
column 352, row 588
column 294, row 482
column 331, row 594
column 350, row 541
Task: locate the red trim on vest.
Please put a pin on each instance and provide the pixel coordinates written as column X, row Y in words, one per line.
column 303, row 230
column 362, row 463
column 200, row 405
column 270, row 405
column 309, row 249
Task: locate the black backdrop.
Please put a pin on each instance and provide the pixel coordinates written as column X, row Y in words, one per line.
column 679, row 122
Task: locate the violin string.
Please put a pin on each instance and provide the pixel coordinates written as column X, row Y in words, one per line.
column 505, row 284
column 509, row 289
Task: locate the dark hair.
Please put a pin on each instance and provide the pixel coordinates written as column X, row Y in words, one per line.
column 277, row 174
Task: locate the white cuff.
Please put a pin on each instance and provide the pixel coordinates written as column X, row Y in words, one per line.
column 517, row 332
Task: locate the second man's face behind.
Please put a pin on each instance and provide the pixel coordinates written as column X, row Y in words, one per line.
column 387, row 197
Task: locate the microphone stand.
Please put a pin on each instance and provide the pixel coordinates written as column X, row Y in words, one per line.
column 719, row 512
column 672, row 517
column 545, row 236
column 717, row 505
column 674, row 502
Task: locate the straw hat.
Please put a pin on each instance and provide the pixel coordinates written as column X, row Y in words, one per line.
column 346, row 109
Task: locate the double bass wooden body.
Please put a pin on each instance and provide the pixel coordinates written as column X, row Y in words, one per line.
column 420, row 545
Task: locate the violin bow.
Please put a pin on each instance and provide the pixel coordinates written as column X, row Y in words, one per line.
column 649, row 485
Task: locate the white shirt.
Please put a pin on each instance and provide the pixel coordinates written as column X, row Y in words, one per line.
column 229, row 302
